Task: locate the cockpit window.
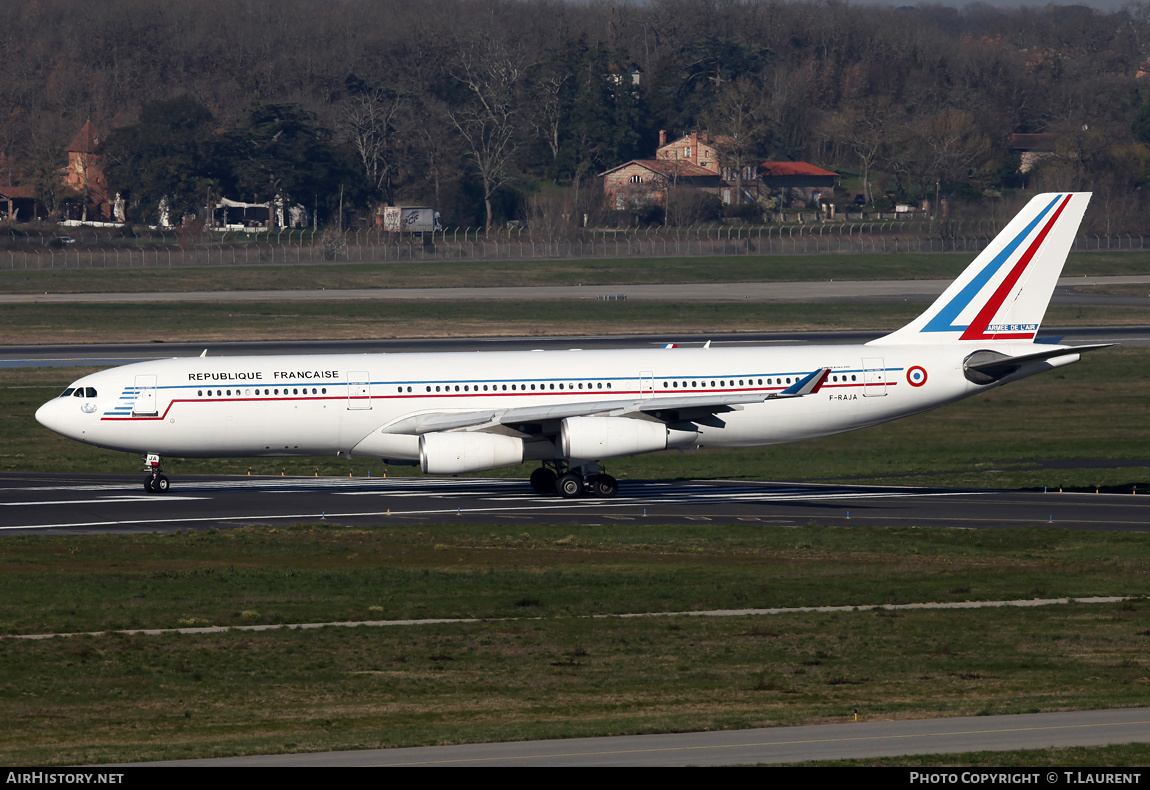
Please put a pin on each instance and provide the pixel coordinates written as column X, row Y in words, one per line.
column 89, row 392
column 79, row 393
column 67, row 392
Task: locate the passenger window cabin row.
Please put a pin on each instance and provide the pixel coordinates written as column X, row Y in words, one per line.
column 90, row 392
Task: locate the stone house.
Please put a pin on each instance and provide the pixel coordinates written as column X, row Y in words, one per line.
column 642, row 183
column 696, row 160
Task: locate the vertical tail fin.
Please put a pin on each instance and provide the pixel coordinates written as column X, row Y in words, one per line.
column 1004, row 293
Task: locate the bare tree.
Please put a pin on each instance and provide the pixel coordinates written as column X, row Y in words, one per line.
column 376, row 123
column 865, row 131
column 489, row 71
column 941, row 148
column 45, row 175
column 551, row 214
column 548, row 112
column 739, row 119
column 958, row 146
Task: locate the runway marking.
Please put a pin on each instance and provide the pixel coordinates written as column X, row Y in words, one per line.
column 104, row 500
column 462, row 514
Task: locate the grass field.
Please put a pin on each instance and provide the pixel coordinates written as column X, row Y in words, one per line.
column 605, row 271
column 537, row 666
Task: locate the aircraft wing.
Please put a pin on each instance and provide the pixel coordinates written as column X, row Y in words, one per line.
column 674, row 408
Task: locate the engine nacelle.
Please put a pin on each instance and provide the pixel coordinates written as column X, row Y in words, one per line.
column 595, row 438
column 453, row 453
column 389, row 446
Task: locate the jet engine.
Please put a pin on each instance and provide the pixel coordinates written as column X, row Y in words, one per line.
column 612, row 437
column 453, row 453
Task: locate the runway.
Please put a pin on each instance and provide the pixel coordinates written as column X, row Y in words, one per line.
column 35, row 503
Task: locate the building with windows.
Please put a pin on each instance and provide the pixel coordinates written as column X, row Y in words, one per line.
column 643, row 183
column 697, row 161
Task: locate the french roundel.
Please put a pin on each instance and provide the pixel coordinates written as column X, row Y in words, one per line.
column 916, row 376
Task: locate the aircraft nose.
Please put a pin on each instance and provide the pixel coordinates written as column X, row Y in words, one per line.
column 49, row 416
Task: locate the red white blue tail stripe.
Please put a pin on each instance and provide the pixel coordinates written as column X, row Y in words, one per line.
column 1004, row 293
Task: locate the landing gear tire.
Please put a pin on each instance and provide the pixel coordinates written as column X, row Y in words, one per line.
column 157, row 484
column 604, row 486
column 570, row 485
column 543, row 481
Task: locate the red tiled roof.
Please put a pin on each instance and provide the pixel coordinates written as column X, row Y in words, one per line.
column 17, row 193
column 792, row 169
column 671, row 168
column 85, row 142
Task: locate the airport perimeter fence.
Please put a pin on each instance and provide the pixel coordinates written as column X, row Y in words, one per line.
column 469, row 244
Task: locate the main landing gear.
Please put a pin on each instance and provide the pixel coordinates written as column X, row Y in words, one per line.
column 155, row 482
column 554, row 477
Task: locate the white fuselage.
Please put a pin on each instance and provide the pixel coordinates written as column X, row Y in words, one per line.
column 465, row 412
column 331, row 404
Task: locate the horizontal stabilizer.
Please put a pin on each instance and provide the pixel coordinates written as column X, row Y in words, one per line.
column 983, row 367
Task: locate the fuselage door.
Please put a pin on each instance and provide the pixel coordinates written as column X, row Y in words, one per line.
column 646, row 384
column 145, row 403
column 874, row 377
column 358, row 389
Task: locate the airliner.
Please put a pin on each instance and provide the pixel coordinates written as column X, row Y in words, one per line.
column 459, row 412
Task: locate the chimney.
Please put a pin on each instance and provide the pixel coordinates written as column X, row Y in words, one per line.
column 662, row 137
column 695, row 147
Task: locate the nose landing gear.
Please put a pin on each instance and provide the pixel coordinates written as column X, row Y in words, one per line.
column 155, row 482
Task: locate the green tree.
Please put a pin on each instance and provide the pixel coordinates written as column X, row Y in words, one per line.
column 706, row 67
column 280, row 150
column 170, row 154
